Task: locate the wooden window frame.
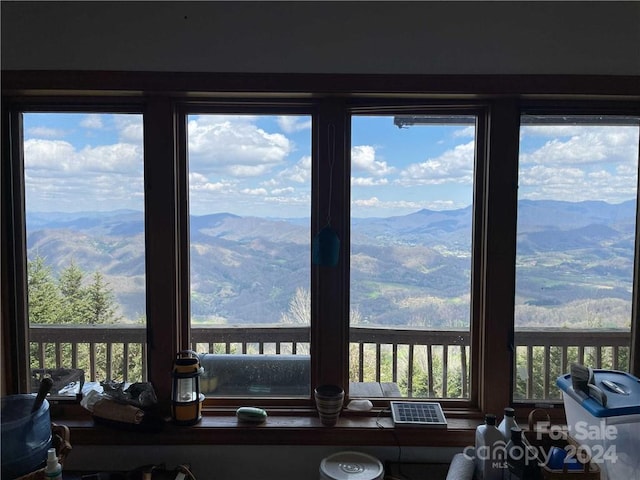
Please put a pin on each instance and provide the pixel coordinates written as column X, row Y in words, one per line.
column 159, row 94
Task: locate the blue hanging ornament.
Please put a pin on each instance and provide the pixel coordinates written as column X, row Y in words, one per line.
column 325, row 247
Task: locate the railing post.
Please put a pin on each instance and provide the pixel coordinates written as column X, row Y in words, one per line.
column 445, row 371
column 394, row 366
column 410, row 371
column 432, row 393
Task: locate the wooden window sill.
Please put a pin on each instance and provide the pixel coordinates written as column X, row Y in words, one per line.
column 222, row 428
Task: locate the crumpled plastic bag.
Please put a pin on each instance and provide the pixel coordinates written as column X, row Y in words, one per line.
column 140, row 394
column 112, row 401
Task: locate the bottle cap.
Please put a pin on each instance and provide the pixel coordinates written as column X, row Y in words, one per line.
column 509, row 412
column 490, row 419
column 516, row 433
column 51, row 455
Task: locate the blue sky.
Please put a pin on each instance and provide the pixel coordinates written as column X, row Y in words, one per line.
column 260, row 165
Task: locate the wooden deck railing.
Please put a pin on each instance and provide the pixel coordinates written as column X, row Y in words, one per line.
column 544, row 354
column 103, row 352
column 423, row 363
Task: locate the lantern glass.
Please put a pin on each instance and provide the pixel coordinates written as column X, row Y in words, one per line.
column 186, row 390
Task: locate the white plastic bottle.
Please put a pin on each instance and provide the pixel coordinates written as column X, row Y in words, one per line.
column 490, row 449
column 53, row 470
column 508, row 422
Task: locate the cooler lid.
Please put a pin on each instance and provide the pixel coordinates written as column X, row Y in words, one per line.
column 351, row 466
column 622, row 390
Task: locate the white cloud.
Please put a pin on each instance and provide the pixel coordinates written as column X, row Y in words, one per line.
column 60, row 175
column 254, row 191
column 453, row 166
column 234, row 147
column 557, row 152
column 248, row 170
column 368, row 181
column 388, row 207
column 57, row 177
column 628, row 169
column 578, row 163
column 443, row 205
column 130, row 128
column 46, row 155
column 57, row 158
column 367, row 202
column 298, row 173
column 198, row 182
column 46, row 132
column 583, row 145
column 575, row 184
column 292, row 124
column 92, row 121
column 540, row 175
column 301, row 200
column 282, row 191
column 465, row 132
column 363, row 159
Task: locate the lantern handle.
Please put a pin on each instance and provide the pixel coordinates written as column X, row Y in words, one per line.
column 187, row 354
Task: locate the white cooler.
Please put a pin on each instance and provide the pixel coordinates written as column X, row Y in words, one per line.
column 611, row 434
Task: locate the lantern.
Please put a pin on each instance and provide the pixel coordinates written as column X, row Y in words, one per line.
column 186, row 399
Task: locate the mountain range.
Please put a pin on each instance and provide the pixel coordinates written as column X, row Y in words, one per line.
column 405, row 270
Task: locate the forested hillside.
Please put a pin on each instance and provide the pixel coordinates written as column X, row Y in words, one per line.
column 405, row 270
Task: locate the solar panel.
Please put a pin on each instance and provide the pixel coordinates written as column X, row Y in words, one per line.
column 418, row 414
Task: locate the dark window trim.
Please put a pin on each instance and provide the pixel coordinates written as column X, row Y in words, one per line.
column 506, row 95
column 190, row 84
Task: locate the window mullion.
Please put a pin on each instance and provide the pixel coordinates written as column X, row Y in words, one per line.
column 496, row 332
column 331, row 197
column 163, row 320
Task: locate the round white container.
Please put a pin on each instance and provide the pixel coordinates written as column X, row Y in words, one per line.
column 351, row 466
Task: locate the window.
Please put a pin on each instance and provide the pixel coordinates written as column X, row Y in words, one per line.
column 249, row 214
column 412, row 215
column 85, row 239
column 219, row 197
column 576, row 248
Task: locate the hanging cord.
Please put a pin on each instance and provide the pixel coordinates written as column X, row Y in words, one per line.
column 400, row 475
column 331, row 133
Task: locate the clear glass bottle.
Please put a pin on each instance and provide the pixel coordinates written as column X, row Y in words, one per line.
column 508, row 422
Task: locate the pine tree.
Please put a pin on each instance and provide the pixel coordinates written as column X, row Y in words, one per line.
column 44, row 299
column 100, row 302
column 74, row 295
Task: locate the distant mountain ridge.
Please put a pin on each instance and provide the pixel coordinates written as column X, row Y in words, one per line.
column 247, row 269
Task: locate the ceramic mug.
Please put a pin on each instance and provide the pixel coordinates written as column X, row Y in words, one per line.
column 329, row 400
